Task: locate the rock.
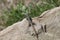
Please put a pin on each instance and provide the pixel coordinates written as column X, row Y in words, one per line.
column 19, row 31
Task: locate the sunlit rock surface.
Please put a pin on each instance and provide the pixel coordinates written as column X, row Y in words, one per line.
column 18, row 31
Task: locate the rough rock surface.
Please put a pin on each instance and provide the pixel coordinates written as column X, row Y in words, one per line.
column 18, row 31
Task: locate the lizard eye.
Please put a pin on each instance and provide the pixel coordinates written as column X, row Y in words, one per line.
column 29, row 25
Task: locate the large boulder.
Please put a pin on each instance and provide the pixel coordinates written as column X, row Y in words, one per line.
column 19, row 31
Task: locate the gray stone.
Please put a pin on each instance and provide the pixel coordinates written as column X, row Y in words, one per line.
column 19, row 31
